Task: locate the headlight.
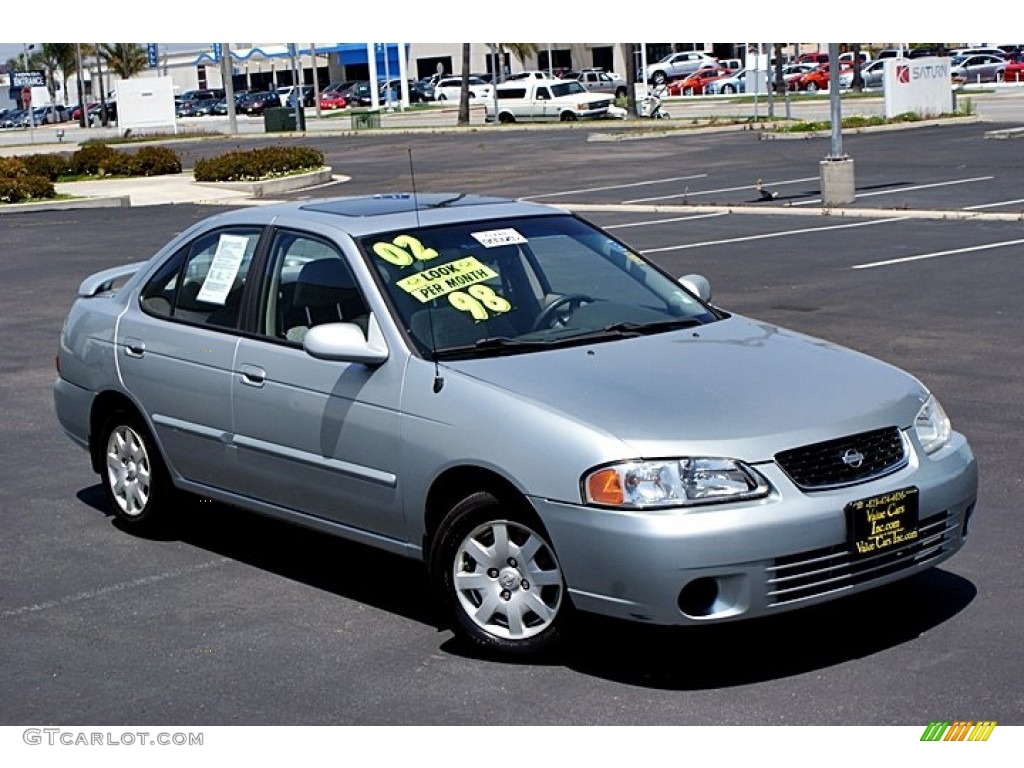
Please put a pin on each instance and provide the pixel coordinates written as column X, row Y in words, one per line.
column 672, row 483
column 932, row 426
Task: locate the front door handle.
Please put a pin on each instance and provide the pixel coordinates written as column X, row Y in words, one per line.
column 253, row 375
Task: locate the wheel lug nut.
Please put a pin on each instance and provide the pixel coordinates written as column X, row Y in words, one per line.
column 524, row 584
column 492, row 572
column 512, row 562
column 506, row 595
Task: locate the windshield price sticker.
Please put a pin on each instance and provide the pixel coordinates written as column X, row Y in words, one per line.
column 445, row 278
column 884, row 521
column 495, row 238
column 224, row 269
column 403, row 251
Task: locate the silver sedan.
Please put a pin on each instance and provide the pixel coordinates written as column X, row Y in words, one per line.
column 978, row 68
column 510, row 394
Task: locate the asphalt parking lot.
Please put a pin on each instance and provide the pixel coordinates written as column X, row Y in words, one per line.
column 241, row 620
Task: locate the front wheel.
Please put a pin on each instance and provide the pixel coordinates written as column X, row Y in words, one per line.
column 134, row 477
column 659, row 78
column 688, row 91
column 728, row 89
column 568, row 117
column 498, row 576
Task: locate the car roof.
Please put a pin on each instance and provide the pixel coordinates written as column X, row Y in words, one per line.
column 368, row 214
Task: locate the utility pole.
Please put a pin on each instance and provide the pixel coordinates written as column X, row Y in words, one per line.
column 227, row 72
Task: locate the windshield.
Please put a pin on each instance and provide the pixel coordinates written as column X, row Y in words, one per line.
column 496, row 287
column 568, row 88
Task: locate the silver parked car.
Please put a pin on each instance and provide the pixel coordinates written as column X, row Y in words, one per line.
column 515, row 397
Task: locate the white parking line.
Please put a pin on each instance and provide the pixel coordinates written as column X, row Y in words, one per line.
column 667, row 221
column 937, row 254
column 615, row 186
column 723, row 189
column 907, row 189
column 767, row 235
column 993, row 205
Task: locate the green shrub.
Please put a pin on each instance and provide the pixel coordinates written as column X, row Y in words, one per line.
column 49, row 166
column 257, row 164
column 25, row 187
column 104, row 160
column 12, row 167
column 157, row 161
column 94, row 160
column 37, row 187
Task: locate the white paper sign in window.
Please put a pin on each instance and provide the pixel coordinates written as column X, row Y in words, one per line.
column 224, row 269
column 495, row 238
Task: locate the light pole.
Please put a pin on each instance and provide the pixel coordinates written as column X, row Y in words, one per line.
column 31, row 117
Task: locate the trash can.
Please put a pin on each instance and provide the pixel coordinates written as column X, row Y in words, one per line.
column 365, row 118
column 277, row 119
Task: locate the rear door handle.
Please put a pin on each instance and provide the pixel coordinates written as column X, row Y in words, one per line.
column 134, row 347
column 253, row 375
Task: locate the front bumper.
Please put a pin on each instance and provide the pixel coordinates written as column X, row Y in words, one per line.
column 729, row 562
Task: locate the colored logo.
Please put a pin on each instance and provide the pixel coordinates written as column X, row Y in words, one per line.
column 960, row 730
column 902, row 73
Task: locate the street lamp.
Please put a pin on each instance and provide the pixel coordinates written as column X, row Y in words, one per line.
column 31, row 116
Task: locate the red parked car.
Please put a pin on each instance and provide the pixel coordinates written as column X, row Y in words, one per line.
column 817, row 79
column 1014, row 72
column 332, row 100
column 693, row 85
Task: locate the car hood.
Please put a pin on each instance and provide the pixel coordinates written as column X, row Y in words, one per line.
column 735, row 387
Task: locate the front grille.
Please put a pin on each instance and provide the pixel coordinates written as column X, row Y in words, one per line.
column 833, row 569
column 867, row 456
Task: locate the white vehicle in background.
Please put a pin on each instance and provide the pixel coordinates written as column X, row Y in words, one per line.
column 450, row 88
column 530, row 99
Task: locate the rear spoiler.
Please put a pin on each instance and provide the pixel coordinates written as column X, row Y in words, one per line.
column 105, row 280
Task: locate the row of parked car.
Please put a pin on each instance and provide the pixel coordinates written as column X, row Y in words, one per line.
column 693, row 74
column 59, row 113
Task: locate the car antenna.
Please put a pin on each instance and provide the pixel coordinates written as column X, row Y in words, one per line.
column 438, row 378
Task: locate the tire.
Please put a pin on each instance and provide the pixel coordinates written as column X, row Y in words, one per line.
column 500, row 599
column 620, row 92
column 812, row 87
column 505, row 118
column 568, row 117
column 688, row 91
column 728, row 88
column 659, row 78
column 134, row 475
column 442, row 97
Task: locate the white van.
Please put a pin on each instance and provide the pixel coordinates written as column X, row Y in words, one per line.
column 533, row 99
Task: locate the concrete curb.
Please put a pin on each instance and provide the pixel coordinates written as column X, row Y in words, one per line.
column 113, row 201
column 271, row 187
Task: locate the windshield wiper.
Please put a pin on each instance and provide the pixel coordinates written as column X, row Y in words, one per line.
column 493, row 345
column 629, row 328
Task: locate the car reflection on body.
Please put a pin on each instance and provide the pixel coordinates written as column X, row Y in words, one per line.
column 510, row 394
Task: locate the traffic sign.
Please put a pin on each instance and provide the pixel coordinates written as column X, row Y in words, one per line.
column 26, row 98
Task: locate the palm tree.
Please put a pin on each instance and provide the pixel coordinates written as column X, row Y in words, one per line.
column 125, row 59
column 520, row 50
column 58, row 57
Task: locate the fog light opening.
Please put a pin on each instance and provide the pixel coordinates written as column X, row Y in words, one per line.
column 966, row 529
column 698, row 597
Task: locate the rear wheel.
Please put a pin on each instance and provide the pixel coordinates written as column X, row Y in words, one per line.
column 134, row 476
column 728, row 89
column 659, row 78
column 688, row 91
column 812, row 86
column 506, row 118
column 498, row 576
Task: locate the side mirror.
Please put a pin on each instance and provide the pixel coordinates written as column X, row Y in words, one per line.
column 698, row 285
column 345, row 342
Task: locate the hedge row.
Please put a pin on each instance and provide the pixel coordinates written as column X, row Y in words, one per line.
column 31, row 177
column 257, row 164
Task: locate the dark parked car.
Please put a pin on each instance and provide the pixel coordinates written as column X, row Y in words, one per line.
column 417, row 93
column 255, row 103
column 308, row 96
column 198, row 107
column 96, row 113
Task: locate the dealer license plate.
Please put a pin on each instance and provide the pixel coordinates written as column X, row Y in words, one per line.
column 883, row 522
